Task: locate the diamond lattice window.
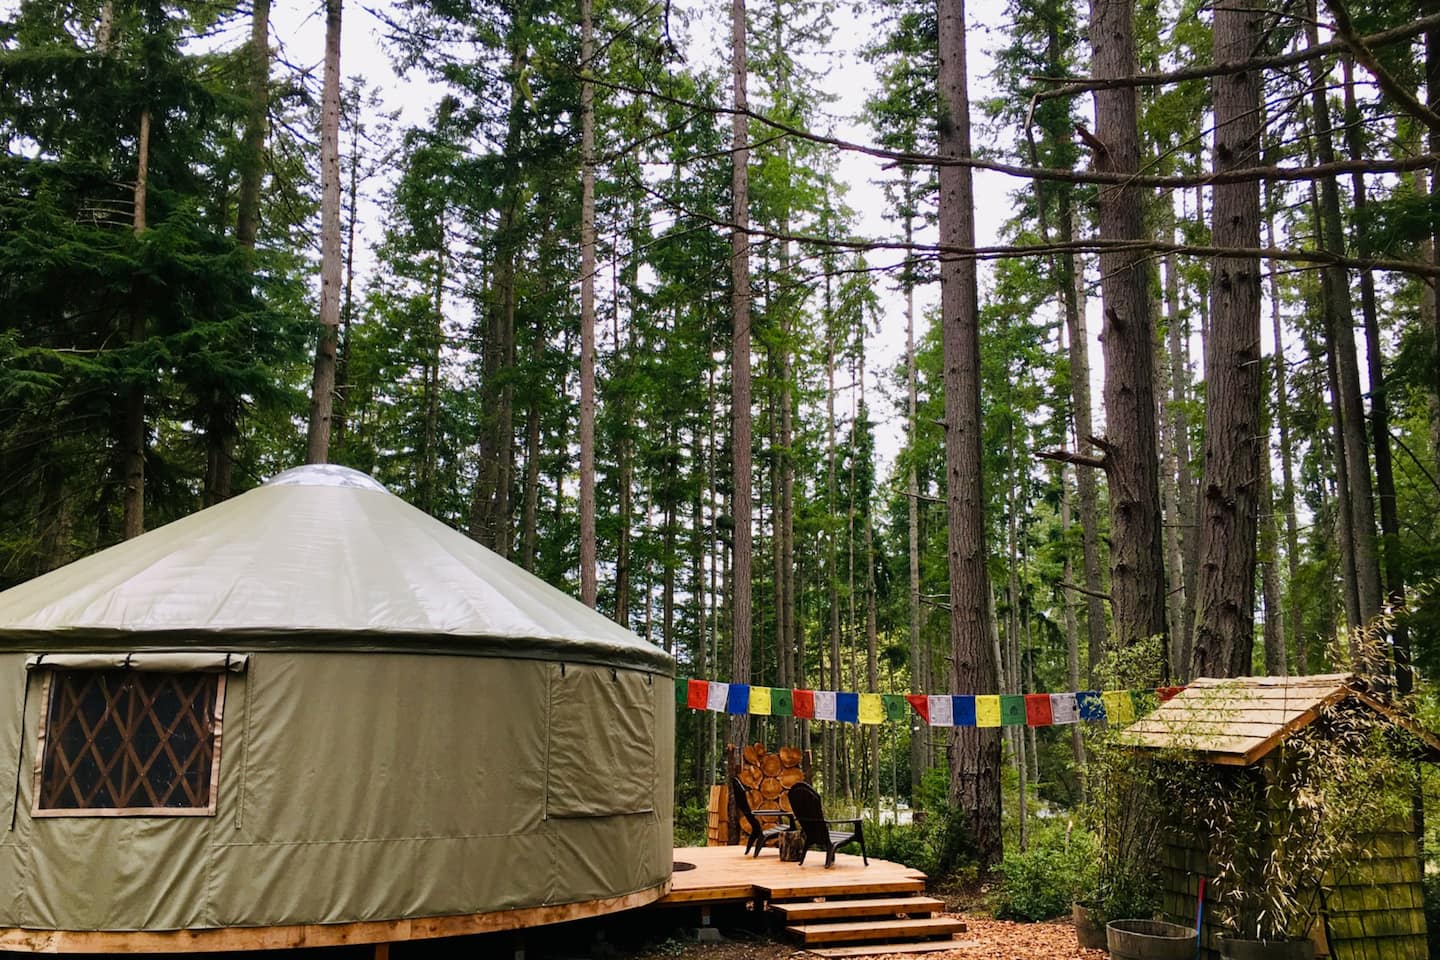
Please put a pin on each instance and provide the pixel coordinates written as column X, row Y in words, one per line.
column 130, row 742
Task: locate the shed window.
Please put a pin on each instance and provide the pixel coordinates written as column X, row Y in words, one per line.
column 118, row 742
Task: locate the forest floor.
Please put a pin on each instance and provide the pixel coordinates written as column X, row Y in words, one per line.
column 986, row 939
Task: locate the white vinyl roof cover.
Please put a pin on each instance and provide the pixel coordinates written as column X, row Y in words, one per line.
column 318, row 558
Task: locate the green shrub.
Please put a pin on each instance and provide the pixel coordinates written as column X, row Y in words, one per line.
column 690, row 823
column 1043, row 881
column 899, row 843
column 938, row 845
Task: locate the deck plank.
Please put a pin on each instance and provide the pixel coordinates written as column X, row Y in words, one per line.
column 725, row 874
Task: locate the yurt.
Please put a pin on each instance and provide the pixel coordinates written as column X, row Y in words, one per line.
column 314, row 715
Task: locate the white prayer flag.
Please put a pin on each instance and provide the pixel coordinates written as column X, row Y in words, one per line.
column 942, row 711
column 1063, row 708
column 717, row 696
column 824, row 704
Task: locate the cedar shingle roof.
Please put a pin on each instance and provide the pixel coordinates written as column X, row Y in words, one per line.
column 1239, row 721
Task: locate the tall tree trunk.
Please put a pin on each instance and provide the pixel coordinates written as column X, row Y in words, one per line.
column 1181, row 533
column 919, row 668
column 1137, row 569
column 1072, row 639
column 221, row 428
column 740, row 364
column 1085, row 486
column 975, row 768
column 1275, row 660
column 430, row 438
column 1184, row 513
column 529, row 522
column 834, row 744
column 704, row 775
column 1430, row 297
column 1341, row 343
column 322, row 391
column 1230, row 477
column 588, row 586
column 1379, row 396
column 132, row 442
column 347, row 305
column 1287, row 470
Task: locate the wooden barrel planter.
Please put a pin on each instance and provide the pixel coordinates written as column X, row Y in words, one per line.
column 1235, row 949
column 1149, row 940
column 1089, row 927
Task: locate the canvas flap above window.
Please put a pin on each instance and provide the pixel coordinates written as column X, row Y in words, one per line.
column 601, row 747
column 188, row 662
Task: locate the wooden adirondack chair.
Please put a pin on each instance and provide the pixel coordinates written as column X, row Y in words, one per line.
column 817, row 830
column 759, row 833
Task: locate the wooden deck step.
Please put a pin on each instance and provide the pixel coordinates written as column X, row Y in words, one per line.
column 855, row 909
column 879, row 949
column 869, row 930
column 807, row 887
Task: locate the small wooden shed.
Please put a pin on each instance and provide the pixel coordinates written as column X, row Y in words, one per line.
column 1375, row 910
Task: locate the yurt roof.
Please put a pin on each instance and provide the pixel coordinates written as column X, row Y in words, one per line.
column 317, row 558
column 1238, row 721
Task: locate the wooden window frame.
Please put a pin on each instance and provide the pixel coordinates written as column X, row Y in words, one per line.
column 41, row 745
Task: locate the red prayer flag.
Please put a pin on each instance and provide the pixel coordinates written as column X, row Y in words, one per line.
column 1167, row 693
column 804, row 702
column 921, row 703
column 697, row 693
column 1037, row 710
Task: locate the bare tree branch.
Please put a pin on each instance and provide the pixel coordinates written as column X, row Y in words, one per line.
column 1067, row 456
column 1077, row 85
column 1361, row 50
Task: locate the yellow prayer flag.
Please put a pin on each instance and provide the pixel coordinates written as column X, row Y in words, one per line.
column 760, row 701
column 987, row 710
column 872, row 708
column 1119, row 708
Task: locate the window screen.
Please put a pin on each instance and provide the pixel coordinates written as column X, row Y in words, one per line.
column 125, row 741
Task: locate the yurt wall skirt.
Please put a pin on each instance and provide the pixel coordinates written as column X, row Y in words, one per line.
column 287, row 780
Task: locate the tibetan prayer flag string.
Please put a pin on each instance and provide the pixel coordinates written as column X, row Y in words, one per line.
column 936, row 710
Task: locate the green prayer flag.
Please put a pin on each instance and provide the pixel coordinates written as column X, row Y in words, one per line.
column 1144, row 700
column 782, row 701
column 682, row 692
column 895, row 707
column 1012, row 710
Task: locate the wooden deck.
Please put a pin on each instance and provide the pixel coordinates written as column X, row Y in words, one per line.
column 726, row 875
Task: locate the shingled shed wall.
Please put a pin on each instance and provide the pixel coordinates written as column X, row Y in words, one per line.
column 1376, row 911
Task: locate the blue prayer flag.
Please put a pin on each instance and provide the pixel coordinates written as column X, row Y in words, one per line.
column 964, row 710
column 739, row 699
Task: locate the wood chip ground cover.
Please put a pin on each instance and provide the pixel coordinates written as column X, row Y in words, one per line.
column 986, row 939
